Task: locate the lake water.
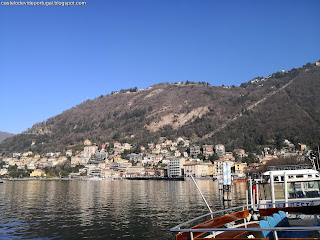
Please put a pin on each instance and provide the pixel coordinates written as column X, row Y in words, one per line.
column 120, row 209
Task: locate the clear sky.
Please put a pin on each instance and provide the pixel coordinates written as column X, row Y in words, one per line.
column 53, row 58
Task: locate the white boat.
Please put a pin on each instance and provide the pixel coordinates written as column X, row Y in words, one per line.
column 292, row 214
column 288, row 188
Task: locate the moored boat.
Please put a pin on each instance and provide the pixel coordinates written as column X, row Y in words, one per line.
column 292, row 214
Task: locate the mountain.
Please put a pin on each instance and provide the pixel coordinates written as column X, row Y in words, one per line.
column 4, row 135
column 255, row 114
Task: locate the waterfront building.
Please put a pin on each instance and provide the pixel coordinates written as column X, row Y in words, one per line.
column 93, row 170
column 3, row 171
column 149, row 172
column 196, row 169
column 210, row 168
column 134, row 170
column 108, row 173
column 175, row 167
column 218, row 165
column 37, row 173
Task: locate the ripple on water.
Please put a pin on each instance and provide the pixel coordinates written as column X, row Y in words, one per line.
column 101, row 210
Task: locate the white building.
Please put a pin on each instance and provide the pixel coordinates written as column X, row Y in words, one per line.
column 175, row 167
column 220, row 150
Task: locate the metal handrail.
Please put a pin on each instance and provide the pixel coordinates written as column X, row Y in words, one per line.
column 312, row 228
column 207, row 214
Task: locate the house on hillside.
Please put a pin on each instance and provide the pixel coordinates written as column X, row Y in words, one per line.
column 116, row 145
column 37, row 173
column 220, row 150
column 194, row 151
column 240, row 152
column 207, row 150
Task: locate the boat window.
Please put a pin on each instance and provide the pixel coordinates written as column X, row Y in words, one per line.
column 303, row 189
column 282, row 178
column 299, row 176
column 312, row 189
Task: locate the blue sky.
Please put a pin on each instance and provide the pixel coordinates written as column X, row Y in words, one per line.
column 53, row 58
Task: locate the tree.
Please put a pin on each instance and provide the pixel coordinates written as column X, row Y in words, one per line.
column 279, row 142
column 249, row 159
column 64, row 174
column 2, row 164
column 201, row 156
column 213, row 157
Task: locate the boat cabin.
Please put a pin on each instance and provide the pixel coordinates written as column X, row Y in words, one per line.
column 289, row 186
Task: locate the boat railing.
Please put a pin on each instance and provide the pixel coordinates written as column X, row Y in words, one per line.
column 209, row 214
column 244, row 227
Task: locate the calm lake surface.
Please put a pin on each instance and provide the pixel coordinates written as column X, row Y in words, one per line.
column 120, row 209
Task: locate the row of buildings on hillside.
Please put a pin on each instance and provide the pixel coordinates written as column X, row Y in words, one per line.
column 165, row 158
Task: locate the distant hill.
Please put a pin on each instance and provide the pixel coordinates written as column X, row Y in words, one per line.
column 256, row 114
column 4, row 135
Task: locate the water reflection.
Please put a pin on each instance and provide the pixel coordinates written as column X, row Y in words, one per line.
column 104, row 209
